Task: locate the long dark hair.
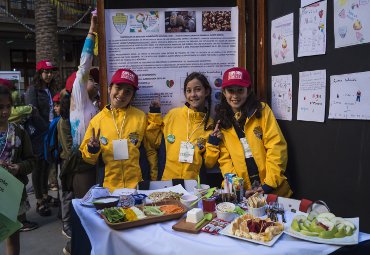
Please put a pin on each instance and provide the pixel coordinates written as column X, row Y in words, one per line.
column 37, row 82
column 204, row 81
column 65, row 103
column 225, row 114
column 5, row 91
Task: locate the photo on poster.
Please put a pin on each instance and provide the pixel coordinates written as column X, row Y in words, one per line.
column 311, row 96
column 351, row 22
column 146, row 21
column 281, row 96
column 312, row 30
column 282, row 37
column 216, row 20
column 180, row 21
column 350, row 96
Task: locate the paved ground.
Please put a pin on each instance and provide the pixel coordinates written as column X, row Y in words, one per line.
column 47, row 239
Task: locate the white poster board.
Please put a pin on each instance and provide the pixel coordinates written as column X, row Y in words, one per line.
column 350, row 96
column 282, row 35
column 351, row 22
column 281, row 96
column 312, row 30
column 311, row 96
column 163, row 46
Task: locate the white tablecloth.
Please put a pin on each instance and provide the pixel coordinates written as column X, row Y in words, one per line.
column 161, row 239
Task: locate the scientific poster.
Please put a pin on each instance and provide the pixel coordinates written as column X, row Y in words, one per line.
column 282, row 47
column 281, row 96
column 163, row 46
column 312, row 30
column 351, row 22
column 311, row 96
column 350, row 96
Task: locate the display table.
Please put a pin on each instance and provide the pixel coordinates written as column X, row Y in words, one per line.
column 160, row 239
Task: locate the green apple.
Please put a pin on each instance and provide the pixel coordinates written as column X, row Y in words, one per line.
column 295, row 225
column 309, row 233
column 341, row 233
column 328, row 234
column 316, row 228
column 302, row 226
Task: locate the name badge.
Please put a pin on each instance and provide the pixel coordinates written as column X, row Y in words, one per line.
column 246, row 148
column 186, row 152
column 120, row 149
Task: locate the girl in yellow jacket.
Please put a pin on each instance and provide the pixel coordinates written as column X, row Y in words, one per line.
column 251, row 145
column 185, row 130
column 117, row 132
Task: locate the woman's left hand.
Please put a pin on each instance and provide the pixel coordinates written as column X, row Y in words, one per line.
column 13, row 169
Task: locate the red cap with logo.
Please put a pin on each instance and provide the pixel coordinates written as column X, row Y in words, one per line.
column 125, row 76
column 7, row 84
column 45, row 65
column 236, row 76
column 56, row 98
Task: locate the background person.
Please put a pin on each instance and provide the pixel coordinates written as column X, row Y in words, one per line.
column 39, row 95
column 17, row 157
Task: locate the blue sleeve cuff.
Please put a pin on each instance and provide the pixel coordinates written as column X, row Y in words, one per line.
column 93, row 150
column 267, row 189
column 88, row 46
column 214, row 140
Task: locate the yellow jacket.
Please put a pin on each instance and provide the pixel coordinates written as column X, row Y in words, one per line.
column 175, row 123
column 120, row 173
column 268, row 147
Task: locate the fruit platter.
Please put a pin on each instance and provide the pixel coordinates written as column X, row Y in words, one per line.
column 324, row 228
column 254, row 229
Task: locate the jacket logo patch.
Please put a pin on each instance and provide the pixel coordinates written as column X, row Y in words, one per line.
column 134, row 138
column 201, row 142
column 258, row 132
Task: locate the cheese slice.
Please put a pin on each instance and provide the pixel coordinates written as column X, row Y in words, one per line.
column 194, row 215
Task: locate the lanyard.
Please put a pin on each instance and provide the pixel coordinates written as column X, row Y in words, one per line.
column 187, row 127
column 119, row 133
column 6, row 141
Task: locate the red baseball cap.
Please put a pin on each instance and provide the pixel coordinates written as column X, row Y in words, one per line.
column 94, row 72
column 7, row 83
column 70, row 81
column 125, row 76
column 56, row 98
column 236, row 76
column 45, row 65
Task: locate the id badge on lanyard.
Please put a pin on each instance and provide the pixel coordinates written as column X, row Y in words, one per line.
column 120, row 149
column 246, row 148
column 186, row 152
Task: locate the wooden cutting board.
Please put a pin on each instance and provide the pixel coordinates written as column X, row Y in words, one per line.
column 187, row 227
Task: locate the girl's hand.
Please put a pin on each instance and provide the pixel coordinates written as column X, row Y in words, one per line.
column 156, row 103
column 216, row 132
column 13, row 169
column 94, row 140
column 93, row 23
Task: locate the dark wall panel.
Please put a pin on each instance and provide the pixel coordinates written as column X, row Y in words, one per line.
column 329, row 161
